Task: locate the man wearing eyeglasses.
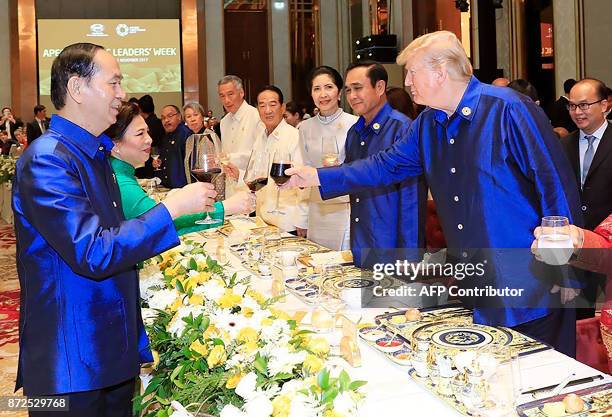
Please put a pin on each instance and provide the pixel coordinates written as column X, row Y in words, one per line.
column 590, row 150
column 172, row 150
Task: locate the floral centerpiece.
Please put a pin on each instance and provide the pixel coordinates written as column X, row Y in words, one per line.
column 221, row 348
column 7, row 168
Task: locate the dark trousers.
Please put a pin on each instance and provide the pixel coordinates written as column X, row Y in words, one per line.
column 114, row 401
column 558, row 329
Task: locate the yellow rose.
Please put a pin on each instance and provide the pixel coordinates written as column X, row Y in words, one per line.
column 216, row 356
column 318, row 345
column 210, row 332
column 247, row 312
column 201, row 278
column 257, row 296
column 249, row 347
column 332, row 413
column 247, row 334
column 281, row 406
column 313, row 364
column 170, row 272
column 155, row 359
column 176, row 304
column 233, row 380
column 229, row 299
column 196, row 300
column 280, row 314
column 199, row 347
column 266, row 321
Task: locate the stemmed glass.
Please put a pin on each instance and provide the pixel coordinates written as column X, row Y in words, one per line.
column 205, row 165
column 256, row 174
column 329, row 151
column 155, row 156
column 280, row 163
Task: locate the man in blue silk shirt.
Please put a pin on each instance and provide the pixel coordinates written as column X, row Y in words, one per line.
column 494, row 167
column 172, row 149
column 80, row 331
column 390, row 217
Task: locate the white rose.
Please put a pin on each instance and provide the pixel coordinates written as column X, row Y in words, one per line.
column 247, row 386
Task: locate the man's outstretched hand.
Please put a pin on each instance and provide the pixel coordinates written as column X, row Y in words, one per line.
column 303, row 177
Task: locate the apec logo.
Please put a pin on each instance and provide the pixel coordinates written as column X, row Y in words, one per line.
column 123, row 30
column 96, row 30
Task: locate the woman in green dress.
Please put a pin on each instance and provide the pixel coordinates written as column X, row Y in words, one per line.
column 132, row 148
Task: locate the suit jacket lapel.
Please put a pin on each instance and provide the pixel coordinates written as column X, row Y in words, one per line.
column 574, row 154
column 604, row 150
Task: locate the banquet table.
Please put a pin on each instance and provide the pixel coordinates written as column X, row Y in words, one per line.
column 389, row 388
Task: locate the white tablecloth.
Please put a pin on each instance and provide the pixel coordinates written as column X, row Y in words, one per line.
column 390, row 389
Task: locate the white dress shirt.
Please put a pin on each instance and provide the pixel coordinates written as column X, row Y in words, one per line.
column 293, row 201
column 238, row 132
column 583, row 143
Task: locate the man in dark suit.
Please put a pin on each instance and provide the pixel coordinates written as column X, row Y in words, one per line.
column 39, row 125
column 557, row 111
column 590, row 152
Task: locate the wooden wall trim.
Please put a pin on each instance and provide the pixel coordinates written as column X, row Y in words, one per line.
column 193, row 42
column 24, row 77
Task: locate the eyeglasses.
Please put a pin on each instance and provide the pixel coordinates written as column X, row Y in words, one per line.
column 168, row 116
column 582, row 106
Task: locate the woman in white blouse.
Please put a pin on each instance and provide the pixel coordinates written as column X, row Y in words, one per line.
column 328, row 221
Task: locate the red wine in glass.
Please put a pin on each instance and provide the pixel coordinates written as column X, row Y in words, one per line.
column 203, row 175
column 257, row 184
column 277, row 172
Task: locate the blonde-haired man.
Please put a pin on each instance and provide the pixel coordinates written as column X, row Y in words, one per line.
column 495, row 167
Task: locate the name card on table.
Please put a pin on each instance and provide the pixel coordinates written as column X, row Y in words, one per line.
column 349, row 349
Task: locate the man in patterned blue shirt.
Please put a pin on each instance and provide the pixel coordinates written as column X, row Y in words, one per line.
column 387, row 221
column 80, row 332
column 494, row 167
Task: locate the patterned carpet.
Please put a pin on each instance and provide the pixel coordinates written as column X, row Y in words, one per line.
column 9, row 314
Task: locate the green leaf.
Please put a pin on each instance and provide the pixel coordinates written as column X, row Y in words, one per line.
column 175, row 373
column 260, row 363
column 193, row 264
column 152, row 385
column 323, row 379
column 329, row 395
column 205, row 323
column 179, row 286
column 345, row 380
column 355, row 385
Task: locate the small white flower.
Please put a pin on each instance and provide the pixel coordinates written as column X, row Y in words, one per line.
column 344, row 404
column 211, row 290
column 246, row 388
column 259, row 406
column 162, row 299
column 231, row 411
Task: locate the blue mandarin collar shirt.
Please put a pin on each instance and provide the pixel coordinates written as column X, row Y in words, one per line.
column 495, row 168
column 387, row 217
column 80, row 322
column 172, row 154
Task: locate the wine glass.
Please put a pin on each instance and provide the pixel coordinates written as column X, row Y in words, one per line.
column 329, row 151
column 555, row 244
column 256, row 174
column 280, row 163
column 155, row 156
column 205, row 165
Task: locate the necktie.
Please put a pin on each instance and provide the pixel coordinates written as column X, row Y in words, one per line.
column 42, row 126
column 588, row 157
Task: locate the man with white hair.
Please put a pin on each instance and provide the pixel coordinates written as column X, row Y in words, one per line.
column 495, row 168
column 238, row 126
